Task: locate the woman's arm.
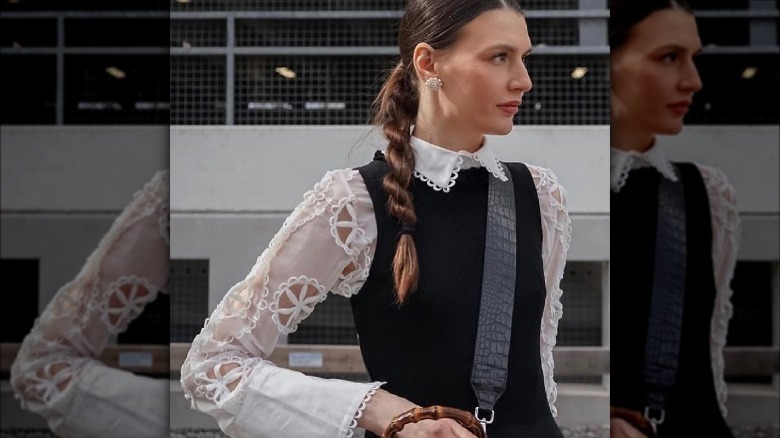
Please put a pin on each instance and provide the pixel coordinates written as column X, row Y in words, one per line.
column 726, row 233
column 556, row 230
column 326, row 244
column 56, row 373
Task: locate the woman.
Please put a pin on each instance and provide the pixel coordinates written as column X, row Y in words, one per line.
column 669, row 320
column 404, row 237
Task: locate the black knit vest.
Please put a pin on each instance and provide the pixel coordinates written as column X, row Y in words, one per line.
column 692, row 404
column 424, row 350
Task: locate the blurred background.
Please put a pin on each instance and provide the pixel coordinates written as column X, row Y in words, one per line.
column 83, row 126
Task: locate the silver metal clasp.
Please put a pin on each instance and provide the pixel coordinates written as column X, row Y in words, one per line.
column 655, row 417
column 484, row 421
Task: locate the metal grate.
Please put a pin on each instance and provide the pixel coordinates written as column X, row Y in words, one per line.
column 28, row 32
column 558, row 98
column 115, row 32
column 728, row 97
column 29, row 89
column 581, row 323
column 116, row 89
column 751, row 323
column 329, row 5
column 197, row 90
column 315, row 33
column 554, row 31
column 198, row 33
column 331, row 323
column 151, row 326
column 189, row 289
column 25, row 307
column 339, row 90
column 354, row 32
column 325, row 89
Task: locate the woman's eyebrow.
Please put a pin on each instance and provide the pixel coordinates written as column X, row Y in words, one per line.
column 508, row 48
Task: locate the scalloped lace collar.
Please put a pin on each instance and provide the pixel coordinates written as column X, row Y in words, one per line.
column 439, row 167
column 622, row 162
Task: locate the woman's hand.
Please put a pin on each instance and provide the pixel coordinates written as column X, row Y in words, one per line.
column 620, row 428
column 384, row 406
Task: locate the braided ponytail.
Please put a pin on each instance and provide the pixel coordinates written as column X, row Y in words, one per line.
column 395, row 111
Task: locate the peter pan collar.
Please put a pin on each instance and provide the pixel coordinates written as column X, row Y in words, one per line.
column 622, row 162
column 438, row 167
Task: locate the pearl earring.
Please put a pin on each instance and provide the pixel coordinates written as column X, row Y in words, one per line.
column 433, row 83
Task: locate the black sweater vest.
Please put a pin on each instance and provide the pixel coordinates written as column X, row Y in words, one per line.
column 692, row 404
column 424, row 350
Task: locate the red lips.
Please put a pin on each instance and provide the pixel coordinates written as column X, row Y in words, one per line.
column 680, row 107
column 510, row 107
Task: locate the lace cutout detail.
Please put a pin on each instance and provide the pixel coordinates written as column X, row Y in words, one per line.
column 362, row 407
column 111, row 289
column 289, row 278
column 726, row 230
column 556, row 227
column 303, row 294
column 125, row 300
column 450, row 183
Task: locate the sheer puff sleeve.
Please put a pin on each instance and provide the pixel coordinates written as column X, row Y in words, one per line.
column 556, row 231
column 726, row 234
column 57, row 374
column 326, row 244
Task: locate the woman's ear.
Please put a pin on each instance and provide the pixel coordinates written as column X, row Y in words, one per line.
column 424, row 64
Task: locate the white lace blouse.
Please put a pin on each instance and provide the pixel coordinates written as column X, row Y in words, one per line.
column 56, row 373
column 327, row 245
column 726, row 233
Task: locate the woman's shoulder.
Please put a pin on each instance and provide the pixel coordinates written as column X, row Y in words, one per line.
column 548, row 187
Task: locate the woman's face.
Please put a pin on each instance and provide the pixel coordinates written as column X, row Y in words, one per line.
column 484, row 74
column 653, row 73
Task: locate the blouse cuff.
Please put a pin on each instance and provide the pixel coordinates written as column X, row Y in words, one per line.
column 283, row 402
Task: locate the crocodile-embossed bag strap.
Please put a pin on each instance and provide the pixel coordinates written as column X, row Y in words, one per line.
column 666, row 303
column 491, row 353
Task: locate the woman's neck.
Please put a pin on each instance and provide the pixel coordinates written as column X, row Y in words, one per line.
column 443, row 134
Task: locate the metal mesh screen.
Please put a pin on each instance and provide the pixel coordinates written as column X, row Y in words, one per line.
column 24, row 32
column 197, row 90
column 29, row 89
column 581, row 323
column 751, row 323
column 115, row 32
column 325, row 90
column 331, row 323
column 560, row 97
column 198, row 33
column 728, row 96
column 349, row 32
column 189, row 289
column 329, row 5
column 116, row 89
column 313, row 33
column 339, row 89
column 25, row 308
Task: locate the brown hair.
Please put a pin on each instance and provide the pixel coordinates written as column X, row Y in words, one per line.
column 437, row 23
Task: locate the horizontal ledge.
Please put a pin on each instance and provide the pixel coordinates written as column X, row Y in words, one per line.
column 346, row 359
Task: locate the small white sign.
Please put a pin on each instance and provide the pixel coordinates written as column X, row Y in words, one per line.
column 305, row 359
column 135, row 359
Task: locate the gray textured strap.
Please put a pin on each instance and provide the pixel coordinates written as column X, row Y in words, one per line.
column 491, row 354
column 668, row 295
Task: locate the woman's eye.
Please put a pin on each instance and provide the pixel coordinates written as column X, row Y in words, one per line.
column 669, row 57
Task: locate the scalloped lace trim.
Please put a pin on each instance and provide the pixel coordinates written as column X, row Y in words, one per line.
column 450, row 183
column 361, row 408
